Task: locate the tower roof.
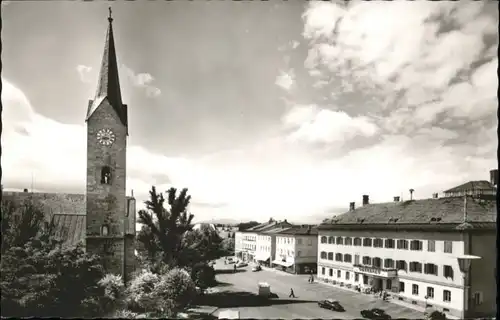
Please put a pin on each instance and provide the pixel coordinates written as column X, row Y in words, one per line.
column 108, row 85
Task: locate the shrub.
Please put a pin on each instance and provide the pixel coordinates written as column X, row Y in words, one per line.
column 176, row 290
column 436, row 315
column 140, row 293
column 114, row 293
column 203, row 275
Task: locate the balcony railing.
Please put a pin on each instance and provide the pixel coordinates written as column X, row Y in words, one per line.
column 376, row 271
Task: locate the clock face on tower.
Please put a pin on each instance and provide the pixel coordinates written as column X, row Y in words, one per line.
column 106, row 137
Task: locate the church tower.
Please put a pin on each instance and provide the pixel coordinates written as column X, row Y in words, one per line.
column 107, row 206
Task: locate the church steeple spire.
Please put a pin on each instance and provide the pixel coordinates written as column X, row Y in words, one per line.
column 108, row 85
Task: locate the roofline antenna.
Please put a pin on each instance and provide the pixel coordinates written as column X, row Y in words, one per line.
column 110, row 18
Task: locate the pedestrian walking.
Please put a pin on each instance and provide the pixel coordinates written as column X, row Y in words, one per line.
column 292, row 295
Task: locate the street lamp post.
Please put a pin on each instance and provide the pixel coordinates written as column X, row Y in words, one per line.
column 464, row 263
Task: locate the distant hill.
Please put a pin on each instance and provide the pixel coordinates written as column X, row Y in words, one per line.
column 221, row 221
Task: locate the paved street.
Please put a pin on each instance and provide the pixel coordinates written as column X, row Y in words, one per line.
column 243, row 286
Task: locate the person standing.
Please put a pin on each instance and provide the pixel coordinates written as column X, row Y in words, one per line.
column 292, row 294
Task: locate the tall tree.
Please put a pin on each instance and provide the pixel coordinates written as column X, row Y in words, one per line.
column 164, row 228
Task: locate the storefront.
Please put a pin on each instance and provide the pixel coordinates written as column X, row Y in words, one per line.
column 286, row 266
column 377, row 279
column 263, row 259
column 306, row 268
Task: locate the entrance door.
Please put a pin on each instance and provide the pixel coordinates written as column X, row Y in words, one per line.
column 365, row 279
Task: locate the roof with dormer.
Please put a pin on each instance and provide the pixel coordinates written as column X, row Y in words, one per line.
column 108, row 84
column 482, row 185
column 427, row 214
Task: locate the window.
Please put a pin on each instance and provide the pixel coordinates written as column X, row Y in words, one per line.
column 323, row 239
column 331, row 240
column 339, row 274
column 330, row 255
column 104, row 230
column 448, row 247
column 322, row 270
column 299, row 241
column 415, row 267
column 389, row 243
column 367, row 242
column 416, row 245
column 448, row 271
column 347, row 258
column 106, row 175
column 356, row 259
column 330, row 272
column 431, row 245
column 357, row 242
column 367, row 260
column 378, row 243
column 430, row 268
column 402, row 244
column 338, row 257
column 348, row 241
column 347, row 275
column 298, row 253
column 388, row 284
column 401, row 286
column 446, row 295
column 309, row 242
column 356, row 277
column 340, row 241
column 414, row 289
column 477, row 298
column 388, row 263
column 430, row 293
column 377, row 262
column 323, row 255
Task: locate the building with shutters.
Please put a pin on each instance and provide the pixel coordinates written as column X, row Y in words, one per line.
column 297, row 249
column 431, row 253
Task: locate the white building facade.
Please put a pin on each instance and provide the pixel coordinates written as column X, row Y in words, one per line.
column 296, row 250
column 418, row 262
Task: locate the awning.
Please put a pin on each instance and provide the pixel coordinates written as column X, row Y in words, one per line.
column 262, row 257
column 283, row 263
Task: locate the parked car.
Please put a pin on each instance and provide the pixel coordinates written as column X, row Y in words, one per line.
column 331, row 304
column 230, row 260
column 256, row 268
column 241, row 264
column 378, row 314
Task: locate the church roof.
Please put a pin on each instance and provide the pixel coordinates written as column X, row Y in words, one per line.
column 108, row 85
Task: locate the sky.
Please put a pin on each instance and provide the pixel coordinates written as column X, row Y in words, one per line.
column 276, row 109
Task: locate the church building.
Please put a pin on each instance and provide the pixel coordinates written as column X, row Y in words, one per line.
column 104, row 217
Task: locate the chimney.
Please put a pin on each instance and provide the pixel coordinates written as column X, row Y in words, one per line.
column 285, row 221
column 435, row 195
column 352, row 206
column 25, row 190
column 132, row 193
column 494, row 177
column 366, row 199
column 396, row 199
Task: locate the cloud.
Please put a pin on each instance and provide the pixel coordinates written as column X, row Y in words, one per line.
column 285, row 80
column 140, row 80
column 313, row 124
column 84, row 72
column 365, row 47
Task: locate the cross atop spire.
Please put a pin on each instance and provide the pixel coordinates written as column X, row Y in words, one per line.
column 108, row 85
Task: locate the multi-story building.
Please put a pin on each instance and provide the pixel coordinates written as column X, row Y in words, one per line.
column 480, row 188
column 266, row 242
column 297, row 249
column 246, row 240
column 431, row 253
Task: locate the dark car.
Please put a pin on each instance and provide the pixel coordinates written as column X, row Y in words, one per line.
column 330, row 304
column 375, row 314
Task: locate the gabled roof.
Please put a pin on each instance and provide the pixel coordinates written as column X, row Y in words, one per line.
column 276, row 230
column 108, row 85
column 301, row 230
column 473, row 185
column 70, row 228
column 443, row 213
